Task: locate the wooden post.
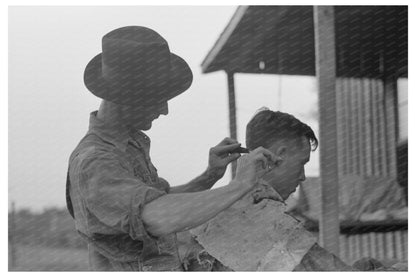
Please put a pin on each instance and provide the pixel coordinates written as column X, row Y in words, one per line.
column 326, row 74
column 12, row 233
column 232, row 114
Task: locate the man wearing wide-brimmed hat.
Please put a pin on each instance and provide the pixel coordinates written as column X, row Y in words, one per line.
column 128, row 214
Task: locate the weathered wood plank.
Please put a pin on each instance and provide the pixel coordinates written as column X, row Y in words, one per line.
column 389, row 245
column 365, row 241
column 361, row 127
column 341, row 127
column 390, row 87
column 343, row 248
column 398, row 245
column 373, row 245
column 349, row 118
column 355, row 125
column 383, row 130
column 232, row 114
column 351, row 249
column 405, row 244
column 375, row 129
column 368, row 131
column 380, row 246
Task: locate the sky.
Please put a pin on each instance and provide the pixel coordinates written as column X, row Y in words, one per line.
column 49, row 105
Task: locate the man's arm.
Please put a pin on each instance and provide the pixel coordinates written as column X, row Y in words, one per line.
column 177, row 212
column 203, row 182
column 219, row 157
column 181, row 211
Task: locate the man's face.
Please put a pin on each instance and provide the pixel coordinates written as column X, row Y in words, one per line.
column 290, row 172
column 142, row 117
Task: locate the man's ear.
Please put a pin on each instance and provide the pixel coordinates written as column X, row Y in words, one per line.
column 281, row 152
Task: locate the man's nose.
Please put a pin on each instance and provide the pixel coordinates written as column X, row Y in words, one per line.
column 164, row 109
column 302, row 175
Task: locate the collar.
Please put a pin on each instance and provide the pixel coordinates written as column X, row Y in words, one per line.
column 118, row 135
column 262, row 190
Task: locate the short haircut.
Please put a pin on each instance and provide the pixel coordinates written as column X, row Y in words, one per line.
column 266, row 127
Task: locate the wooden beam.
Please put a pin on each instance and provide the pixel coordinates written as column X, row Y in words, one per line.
column 326, row 74
column 232, row 114
column 219, row 44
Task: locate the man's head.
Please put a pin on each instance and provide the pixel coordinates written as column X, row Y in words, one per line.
column 288, row 138
column 136, row 68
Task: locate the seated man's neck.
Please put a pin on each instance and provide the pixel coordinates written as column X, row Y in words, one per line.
column 262, row 191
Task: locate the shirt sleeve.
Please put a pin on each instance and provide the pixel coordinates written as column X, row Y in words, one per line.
column 114, row 196
column 164, row 184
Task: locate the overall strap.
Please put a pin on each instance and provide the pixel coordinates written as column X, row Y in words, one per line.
column 68, row 197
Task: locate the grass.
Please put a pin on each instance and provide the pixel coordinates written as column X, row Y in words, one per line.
column 41, row 258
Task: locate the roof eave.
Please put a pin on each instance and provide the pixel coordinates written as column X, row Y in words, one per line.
column 223, row 38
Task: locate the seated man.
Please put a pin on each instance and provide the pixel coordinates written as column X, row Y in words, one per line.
column 255, row 233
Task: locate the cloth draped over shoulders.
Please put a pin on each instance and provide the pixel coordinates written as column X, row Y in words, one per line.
column 256, row 234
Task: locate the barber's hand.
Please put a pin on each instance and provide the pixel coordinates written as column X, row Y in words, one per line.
column 252, row 166
column 220, row 156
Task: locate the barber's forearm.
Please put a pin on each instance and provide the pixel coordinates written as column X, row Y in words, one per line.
column 176, row 212
column 203, row 182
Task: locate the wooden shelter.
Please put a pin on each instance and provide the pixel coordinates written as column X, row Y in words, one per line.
column 357, row 53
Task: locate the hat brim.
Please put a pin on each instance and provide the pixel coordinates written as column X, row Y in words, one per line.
column 180, row 80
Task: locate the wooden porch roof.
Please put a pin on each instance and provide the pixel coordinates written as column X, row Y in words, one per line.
column 371, row 41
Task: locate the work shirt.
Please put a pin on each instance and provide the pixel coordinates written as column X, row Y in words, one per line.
column 111, row 178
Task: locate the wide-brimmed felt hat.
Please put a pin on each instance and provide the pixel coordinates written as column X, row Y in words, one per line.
column 136, row 67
